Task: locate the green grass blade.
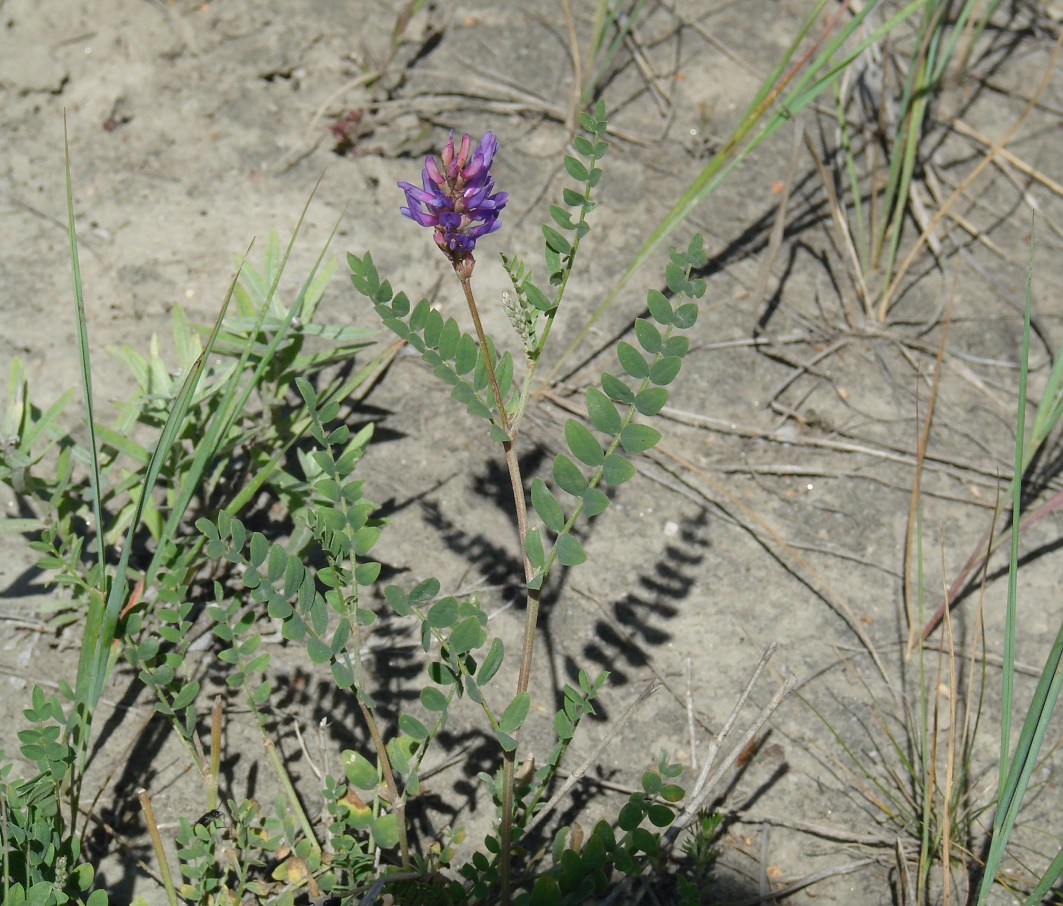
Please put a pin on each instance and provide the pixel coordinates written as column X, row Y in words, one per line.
column 1010, row 781
column 85, row 362
column 1050, row 878
column 95, row 631
column 1035, row 727
column 623, row 23
column 92, row 667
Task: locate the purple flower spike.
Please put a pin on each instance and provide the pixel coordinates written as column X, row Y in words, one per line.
column 457, row 198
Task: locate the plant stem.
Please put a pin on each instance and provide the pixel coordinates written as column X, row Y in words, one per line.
column 532, row 609
column 515, row 480
column 398, row 802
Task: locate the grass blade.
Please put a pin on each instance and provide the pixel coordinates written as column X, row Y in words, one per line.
column 84, row 361
column 92, row 667
column 1015, row 772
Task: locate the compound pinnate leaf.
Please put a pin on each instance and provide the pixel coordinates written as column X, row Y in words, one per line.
column 385, row 830
column 433, row 328
column 492, row 661
column 562, row 217
column 675, row 346
column 318, row 651
column 651, row 400
column 411, row 726
column 572, row 198
column 533, row 547
column 649, row 337
column 423, row 592
column 538, row 298
column 546, row 506
column 556, row 241
column 631, row 360
column 433, row 699
column 659, row 307
column 278, row 562
column 467, row 635
column 465, row 357
column 568, row 475
column 675, row 277
column 516, row 711
column 569, row 551
column 663, row 371
column 359, row 771
column 186, row 696
column 443, row 613
column 616, row 469
column 594, row 502
column 583, row 444
column 576, row 169
column 400, row 305
column 686, row 315
column 602, row 412
column 637, row 438
column 342, row 675
column 398, row 600
column 617, row 390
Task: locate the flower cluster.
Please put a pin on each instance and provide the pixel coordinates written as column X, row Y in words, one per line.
column 457, row 198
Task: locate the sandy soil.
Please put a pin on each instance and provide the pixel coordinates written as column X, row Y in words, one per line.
column 777, row 505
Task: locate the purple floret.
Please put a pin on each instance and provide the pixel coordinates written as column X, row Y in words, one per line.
column 457, row 196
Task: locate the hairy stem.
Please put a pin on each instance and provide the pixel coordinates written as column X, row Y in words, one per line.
column 532, row 611
column 466, row 285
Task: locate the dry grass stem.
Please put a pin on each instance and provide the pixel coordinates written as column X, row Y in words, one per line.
column 839, row 835
column 767, row 262
column 922, row 442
